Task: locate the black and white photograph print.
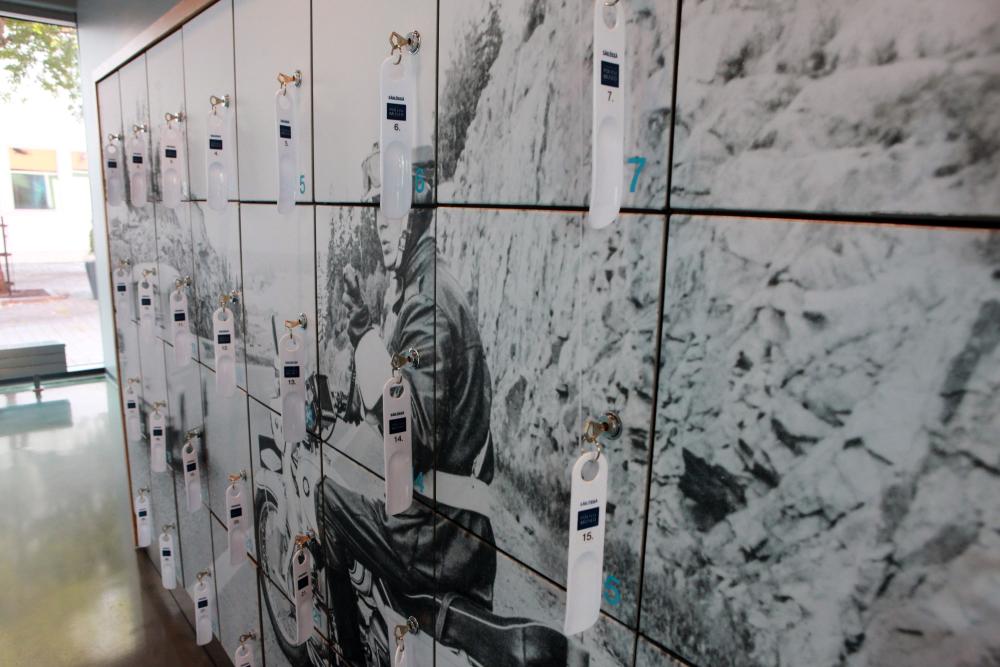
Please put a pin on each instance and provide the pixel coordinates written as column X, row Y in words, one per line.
column 216, row 239
column 279, row 285
column 517, row 622
column 285, row 479
column 824, row 484
column 806, row 105
column 515, row 101
column 175, row 262
column 563, row 321
column 225, row 444
column 237, row 597
column 346, row 100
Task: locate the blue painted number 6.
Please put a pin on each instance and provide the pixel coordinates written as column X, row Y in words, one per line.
column 612, row 592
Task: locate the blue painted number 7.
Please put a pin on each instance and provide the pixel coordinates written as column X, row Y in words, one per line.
column 639, row 163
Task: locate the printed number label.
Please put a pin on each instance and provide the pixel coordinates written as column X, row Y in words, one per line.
column 612, row 592
column 302, row 184
column 419, row 184
column 588, row 536
column 639, row 163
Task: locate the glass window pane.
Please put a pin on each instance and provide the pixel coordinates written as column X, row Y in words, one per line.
column 31, row 191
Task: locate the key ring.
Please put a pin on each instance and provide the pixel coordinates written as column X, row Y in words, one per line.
column 400, row 631
column 285, row 79
column 397, row 42
column 215, row 101
column 233, row 478
column 399, row 360
column 610, row 425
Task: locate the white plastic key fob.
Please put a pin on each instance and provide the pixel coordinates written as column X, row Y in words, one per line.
column 181, row 327
column 303, row 595
column 397, row 134
column 236, row 522
column 138, row 167
column 132, row 417
column 203, row 612
column 114, row 179
column 401, row 658
column 291, row 383
column 157, row 441
column 147, row 307
column 168, row 571
column 123, row 293
column 243, row 656
column 224, row 339
column 608, row 138
column 585, row 565
column 171, row 166
column 396, row 437
column 287, row 132
column 142, row 520
column 192, row 475
column 217, row 156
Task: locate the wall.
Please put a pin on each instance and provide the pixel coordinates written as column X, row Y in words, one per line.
column 103, row 27
column 802, row 342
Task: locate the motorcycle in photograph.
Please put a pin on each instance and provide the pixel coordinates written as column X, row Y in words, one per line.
column 289, row 476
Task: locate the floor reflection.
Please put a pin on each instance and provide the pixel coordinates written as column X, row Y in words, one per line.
column 75, row 592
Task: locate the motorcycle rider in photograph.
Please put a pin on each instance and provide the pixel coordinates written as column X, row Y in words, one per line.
column 437, row 572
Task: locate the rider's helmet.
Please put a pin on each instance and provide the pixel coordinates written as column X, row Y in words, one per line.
column 401, row 232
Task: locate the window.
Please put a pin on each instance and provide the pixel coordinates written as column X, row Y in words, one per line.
column 32, row 190
column 32, row 175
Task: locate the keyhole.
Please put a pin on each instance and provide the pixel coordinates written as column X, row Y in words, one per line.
column 589, row 470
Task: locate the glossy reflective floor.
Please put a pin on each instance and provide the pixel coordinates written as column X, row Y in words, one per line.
column 73, row 590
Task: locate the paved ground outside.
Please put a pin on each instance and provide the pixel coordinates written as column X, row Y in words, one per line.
column 66, row 314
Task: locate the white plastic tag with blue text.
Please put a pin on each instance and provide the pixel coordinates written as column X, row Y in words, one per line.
column 181, row 326
column 133, row 420
column 303, row 594
column 123, row 293
column 114, row 178
column 192, row 474
column 585, row 564
column 608, row 134
column 224, row 341
column 157, row 441
column 243, row 656
column 147, row 307
column 143, row 520
column 397, row 444
column 237, row 521
column 285, row 102
column 203, row 612
column 397, row 134
column 168, row 571
column 138, row 169
column 218, row 149
column 171, row 165
column 291, row 384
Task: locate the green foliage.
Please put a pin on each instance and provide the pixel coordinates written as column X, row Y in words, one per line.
column 43, row 53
